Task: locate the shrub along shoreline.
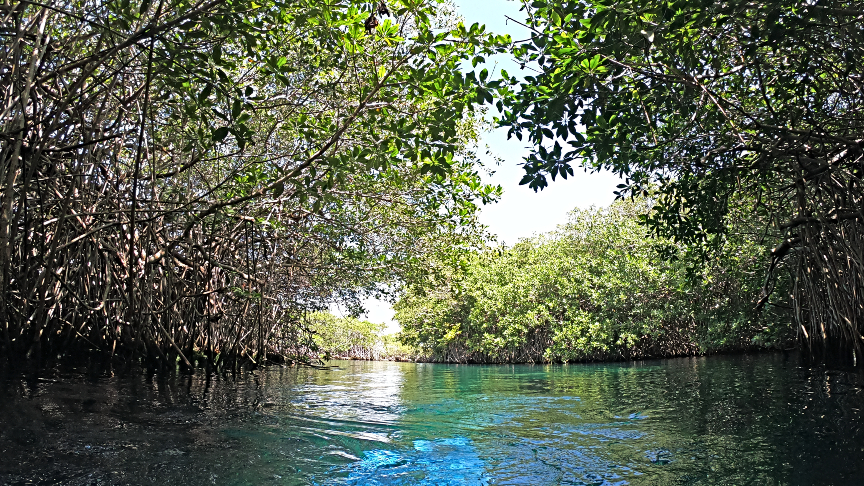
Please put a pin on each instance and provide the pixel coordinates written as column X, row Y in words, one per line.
column 597, row 289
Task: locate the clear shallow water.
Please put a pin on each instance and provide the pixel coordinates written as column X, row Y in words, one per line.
column 765, row 419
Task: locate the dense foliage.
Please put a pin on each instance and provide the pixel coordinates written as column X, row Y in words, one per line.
column 181, row 177
column 715, row 102
column 598, row 288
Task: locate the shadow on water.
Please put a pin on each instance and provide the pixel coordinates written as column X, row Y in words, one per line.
column 761, row 419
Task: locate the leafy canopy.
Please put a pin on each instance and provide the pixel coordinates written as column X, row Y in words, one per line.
column 713, row 103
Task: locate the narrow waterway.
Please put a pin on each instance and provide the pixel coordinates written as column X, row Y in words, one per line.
column 762, row 419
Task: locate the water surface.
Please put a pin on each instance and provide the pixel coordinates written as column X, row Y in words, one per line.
column 764, row 419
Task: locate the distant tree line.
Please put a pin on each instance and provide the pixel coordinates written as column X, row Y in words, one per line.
column 352, row 338
column 598, row 288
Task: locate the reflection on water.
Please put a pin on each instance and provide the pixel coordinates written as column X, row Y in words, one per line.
column 763, row 420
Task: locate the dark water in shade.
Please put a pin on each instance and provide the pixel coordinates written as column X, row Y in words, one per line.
column 762, row 420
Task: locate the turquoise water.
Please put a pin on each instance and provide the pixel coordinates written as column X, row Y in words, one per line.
column 765, row 419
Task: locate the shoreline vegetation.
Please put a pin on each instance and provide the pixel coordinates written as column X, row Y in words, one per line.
column 598, row 288
column 735, row 117
column 194, row 183
column 185, row 181
column 355, row 339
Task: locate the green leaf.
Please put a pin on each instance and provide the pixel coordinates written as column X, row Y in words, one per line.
column 220, row 133
column 205, row 92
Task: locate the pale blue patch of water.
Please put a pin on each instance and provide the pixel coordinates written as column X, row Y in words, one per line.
column 440, row 462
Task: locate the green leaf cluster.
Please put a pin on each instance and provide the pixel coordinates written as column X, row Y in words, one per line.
column 714, row 104
column 597, row 288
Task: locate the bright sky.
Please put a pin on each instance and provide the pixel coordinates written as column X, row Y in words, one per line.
column 521, row 212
